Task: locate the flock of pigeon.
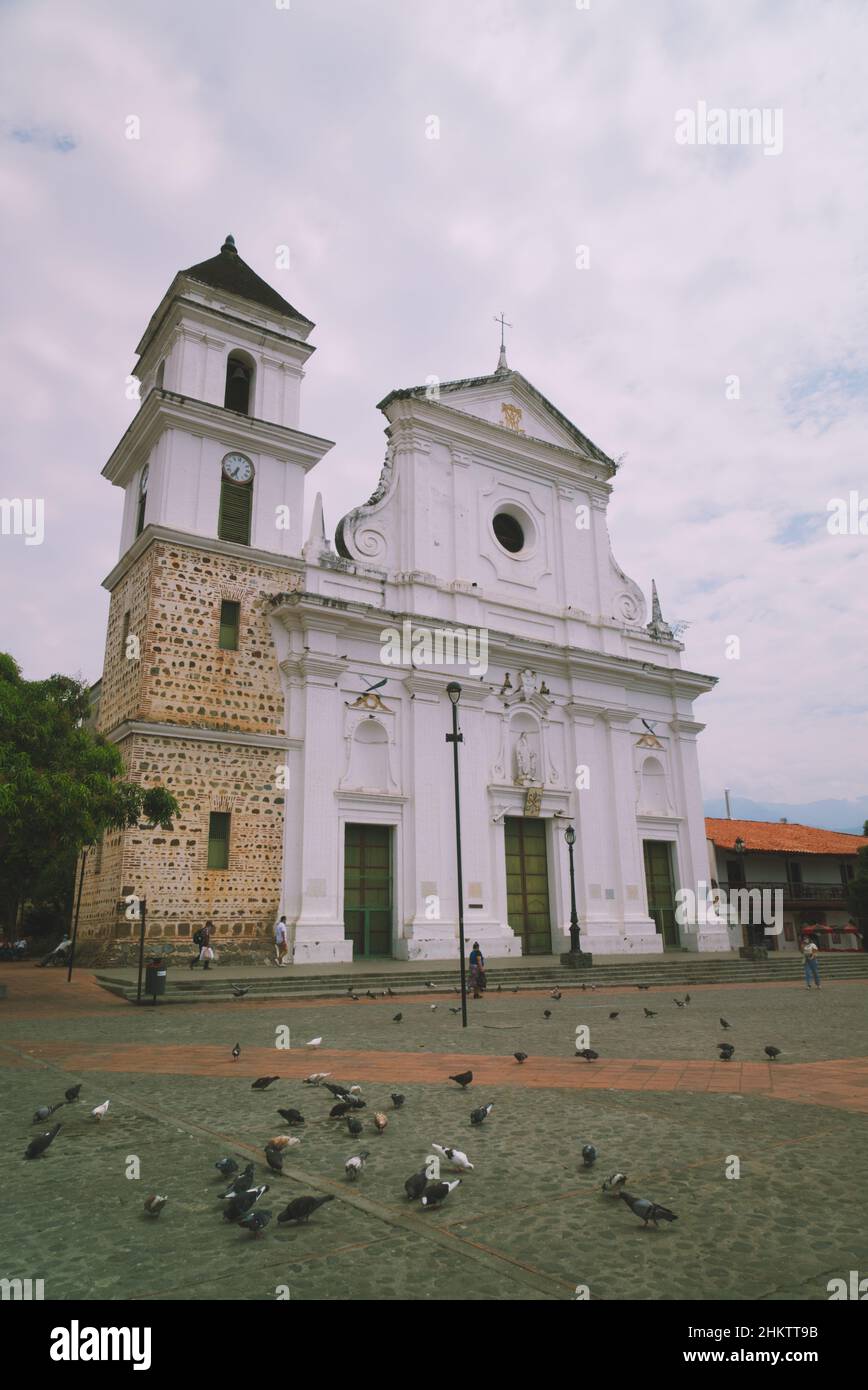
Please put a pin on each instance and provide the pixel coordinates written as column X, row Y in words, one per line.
column 241, row 1199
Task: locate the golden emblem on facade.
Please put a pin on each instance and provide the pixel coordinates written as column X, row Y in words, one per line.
column 511, row 417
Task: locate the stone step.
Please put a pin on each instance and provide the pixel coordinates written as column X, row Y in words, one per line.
column 673, row 974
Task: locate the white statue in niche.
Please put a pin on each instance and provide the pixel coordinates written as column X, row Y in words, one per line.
column 528, row 683
column 525, row 760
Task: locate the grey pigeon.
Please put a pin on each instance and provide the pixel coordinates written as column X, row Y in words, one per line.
column 463, row 1078
column 263, row 1082
column 520, row 1057
column 588, row 1053
column 397, row 1100
column 44, row 1111
column 303, row 1208
column 397, row 1018
column 547, row 1013
column 236, row 1052
column 615, row 1015
column 36, row 1148
column 649, row 1013
column 241, row 1183
column 339, row 1092
column 274, row 1158
column 589, row 1155
column 477, row 1116
column 647, row 1211
column 437, row 1192
column 354, row 1126
column 255, row 1221
column 292, row 1117
column 723, row 1023
column 726, row 1051
column 613, row 1184
column 416, row 1184
column 772, row 1052
column 241, row 1202
column 73, row 1093
column 238, row 992
column 226, row 1166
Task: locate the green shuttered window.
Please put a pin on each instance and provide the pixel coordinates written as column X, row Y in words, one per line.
column 236, row 506
column 218, row 840
column 230, row 618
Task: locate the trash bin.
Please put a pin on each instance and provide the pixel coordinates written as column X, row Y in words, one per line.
column 155, row 978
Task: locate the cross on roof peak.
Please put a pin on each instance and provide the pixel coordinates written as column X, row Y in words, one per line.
column 502, row 364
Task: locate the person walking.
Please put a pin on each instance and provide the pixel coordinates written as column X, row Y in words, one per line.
column 477, row 971
column 280, row 946
column 810, row 951
column 58, row 955
column 206, row 954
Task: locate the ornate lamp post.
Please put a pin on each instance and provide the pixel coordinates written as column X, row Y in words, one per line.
column 453, row 690
column 575, row 943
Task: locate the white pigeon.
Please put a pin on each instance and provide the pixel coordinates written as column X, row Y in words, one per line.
column 314, row 1042
column 433, row 1007
column 316, row 1078
column 354, row 1166
column 99, row 1112
column 434, row 1193
column 614, row 1183
column 458, row 1159
column 355, row 1090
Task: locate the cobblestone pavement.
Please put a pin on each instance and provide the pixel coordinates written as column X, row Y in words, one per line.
column 528, row 1223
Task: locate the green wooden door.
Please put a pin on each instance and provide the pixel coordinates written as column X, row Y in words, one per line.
column 368, row 889
column 660, row 885
column 527, row 884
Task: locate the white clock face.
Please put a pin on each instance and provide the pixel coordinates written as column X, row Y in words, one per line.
column 143, row 481
column 238, row 468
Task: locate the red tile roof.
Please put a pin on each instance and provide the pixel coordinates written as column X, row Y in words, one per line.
column 789, row 837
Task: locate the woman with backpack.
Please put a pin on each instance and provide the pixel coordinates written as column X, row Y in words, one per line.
column 202, row 942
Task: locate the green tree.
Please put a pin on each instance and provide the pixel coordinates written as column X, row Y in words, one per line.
column 857, row 892
column 60, row 788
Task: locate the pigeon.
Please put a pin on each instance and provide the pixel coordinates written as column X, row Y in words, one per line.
column 397, row 1101
column 355, row 998
column 647, row 1211
column 255, row 1221
column 380, row 1122
column 454, row 1011
column 241, row 1202
column 643, row 986
column 588, row 1053
column 433, row 1008
column 354, row 1126
column 338, row 1111
column 477, row 1116
column 772, row 1052
column 99, row 1112
column 397, row 1018
column 154, row 1204
column 589, row 1155
column 726, row 1051
column 355, row 1090
column 238, row 992
column 356, row 1103
column 463, row 1078
column 499, row 988
column 292, row 1117
column 429, row 984
column 679, row 1003
column 263, row 1082
column 613, row 1184
column 687, row 999
column 555, row 994
column 274, row 1159
column 437, row 1192
column 723, row 1023
column 520, row 1057
column 283, row 1141
column 456, row 1158
column 354, row 1166
column 515, row 989
column 615, row 1015
column 547, row 1013
column 236, row 1052
column 416, row 1184
column 226, row 1166
column 314, row 1042
column 303, row 1208
column 316, row 1078
column 241, row 1183
column 339, row 1092
column 36, row 1148
column 73, row 1093
column 649, row 1013
column 391, row 993
column 44, row 1111
column 369, row 995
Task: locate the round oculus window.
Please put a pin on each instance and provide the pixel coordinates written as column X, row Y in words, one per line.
column 509, row 532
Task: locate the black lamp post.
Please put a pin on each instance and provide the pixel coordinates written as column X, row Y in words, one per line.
column 575, row 944
column 453, row 690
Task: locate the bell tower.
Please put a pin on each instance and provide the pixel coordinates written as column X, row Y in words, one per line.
column 212, row 468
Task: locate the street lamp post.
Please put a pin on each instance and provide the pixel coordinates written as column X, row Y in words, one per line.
column 453, row 690
column 575, row 942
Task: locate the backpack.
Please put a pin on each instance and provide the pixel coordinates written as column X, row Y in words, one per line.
column 198, row 937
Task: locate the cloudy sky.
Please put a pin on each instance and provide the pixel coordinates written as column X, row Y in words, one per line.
column 308, row 126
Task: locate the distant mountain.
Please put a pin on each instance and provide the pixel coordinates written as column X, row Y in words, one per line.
column 827, row 815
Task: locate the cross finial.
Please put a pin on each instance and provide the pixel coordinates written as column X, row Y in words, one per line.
column 502, row 365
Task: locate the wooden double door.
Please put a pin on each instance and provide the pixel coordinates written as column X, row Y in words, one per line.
column 527, row 884
column 368, row 904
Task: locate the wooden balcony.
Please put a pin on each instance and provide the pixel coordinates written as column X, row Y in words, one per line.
column 799, row 894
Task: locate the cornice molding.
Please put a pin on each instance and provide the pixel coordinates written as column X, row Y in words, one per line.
column 197, row 734
column 186, row 540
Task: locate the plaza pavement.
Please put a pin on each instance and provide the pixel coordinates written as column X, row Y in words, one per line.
column 528, row 1223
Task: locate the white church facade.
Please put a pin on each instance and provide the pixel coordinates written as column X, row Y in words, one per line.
column 290, row 690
